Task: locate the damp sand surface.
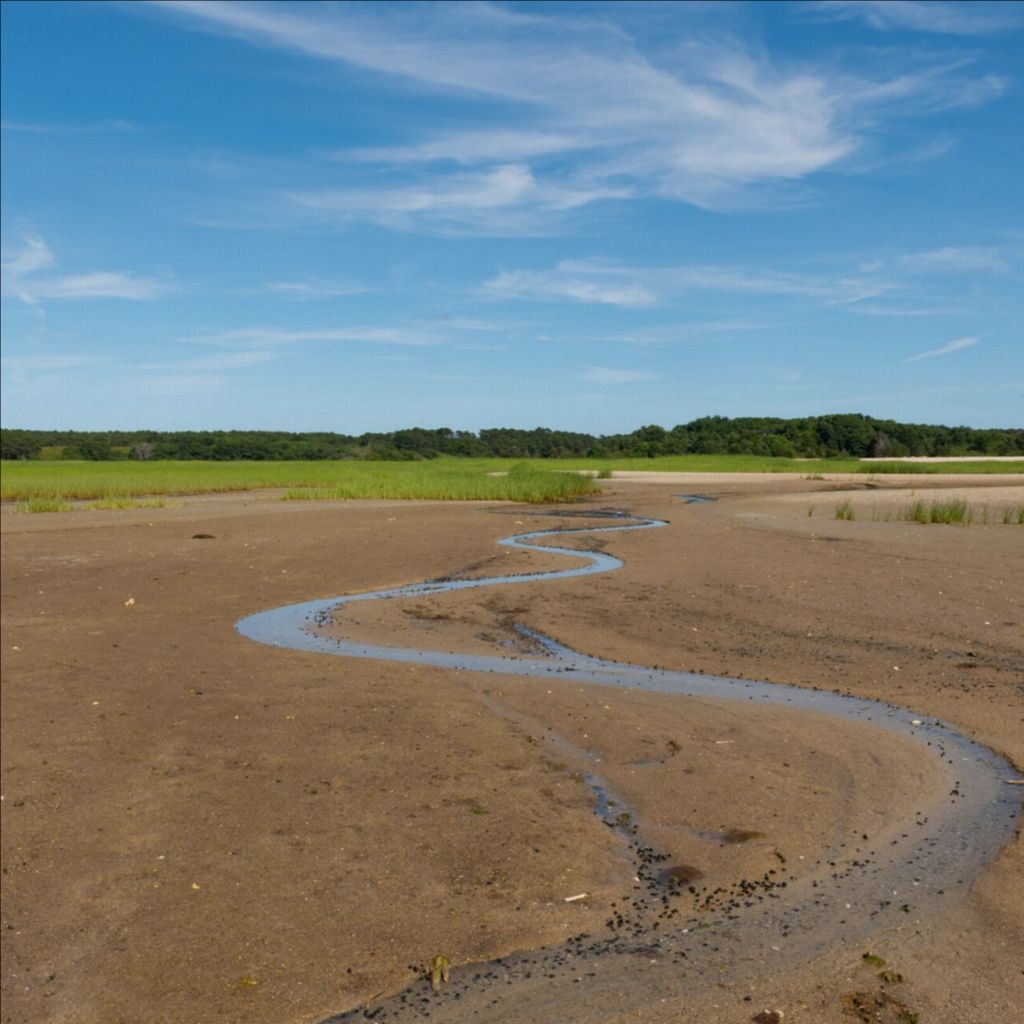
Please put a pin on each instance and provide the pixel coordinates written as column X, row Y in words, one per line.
column 197, row 825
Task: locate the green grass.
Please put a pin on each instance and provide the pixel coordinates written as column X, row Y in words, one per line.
column 436, row 478
column 112, row 484
column 45, row 505
column 810, row 469
column 954, row 512
column 117, row 503
column 952, row 466
column 524, row 482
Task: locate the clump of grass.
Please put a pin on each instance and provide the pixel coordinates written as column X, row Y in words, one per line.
column 118, row 502
column 44, row 505
column 844, row 511
column 604, row 474
column 1013, row 515
column 306, row 494
column 956, row 511
column 524, row 482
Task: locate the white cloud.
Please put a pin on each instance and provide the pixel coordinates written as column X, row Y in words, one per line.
column 954, row 259
column 933, row 16
column 316, row 289
column 53, row 128
column 598, row 281
column 608, row 375
column 470, row 147
column 65, row 361
column 269, row 337
column 914, row 284
column 217, row 361
column 565, row 283
column 34, row 256
column 22, row 279
column 503, row 199
column 589, row 115
column 105, row 284
column 944, row 350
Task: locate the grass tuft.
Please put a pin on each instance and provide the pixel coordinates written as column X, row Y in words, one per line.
column 956, row 511
column 844, row 511
column 44, row 505
column 119, row 502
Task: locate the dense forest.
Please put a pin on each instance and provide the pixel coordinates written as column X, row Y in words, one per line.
column 809, row 437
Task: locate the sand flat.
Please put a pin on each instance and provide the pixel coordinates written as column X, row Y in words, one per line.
column 199, row 827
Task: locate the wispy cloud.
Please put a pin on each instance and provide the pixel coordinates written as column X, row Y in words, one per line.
column 35, row 255
column 913, row 284
column 474, row 147
column 270, row 337
column 599, row 281
column 611, row 286
column 507, row 198
column 968, row 19
column 591, row 113
column 954, row 259
column 609, row 375
column 104, row 284
column 36, row 363
column 54, row 128
column 22, row 279
column 944, row 350
column 216, row 361
column 316, row 289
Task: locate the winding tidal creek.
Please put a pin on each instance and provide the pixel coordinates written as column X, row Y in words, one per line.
column 667, row 935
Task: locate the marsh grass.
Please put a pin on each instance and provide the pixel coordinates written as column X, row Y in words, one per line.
column 952, row 466
column 954, row 512
column 45, row 505
column 523, row 482
column 118, row 503
column 454, row 479
column 441, row 479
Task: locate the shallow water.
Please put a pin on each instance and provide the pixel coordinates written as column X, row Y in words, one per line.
column 666, row 934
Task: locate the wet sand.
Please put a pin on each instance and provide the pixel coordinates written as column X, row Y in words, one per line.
column 196, row 827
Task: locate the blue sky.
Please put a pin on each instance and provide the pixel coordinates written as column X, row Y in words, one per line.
column 586, row 216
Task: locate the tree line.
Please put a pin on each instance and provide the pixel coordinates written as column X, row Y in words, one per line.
column 849, row 434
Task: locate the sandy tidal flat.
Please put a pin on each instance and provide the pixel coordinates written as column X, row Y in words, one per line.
column 197, row 827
